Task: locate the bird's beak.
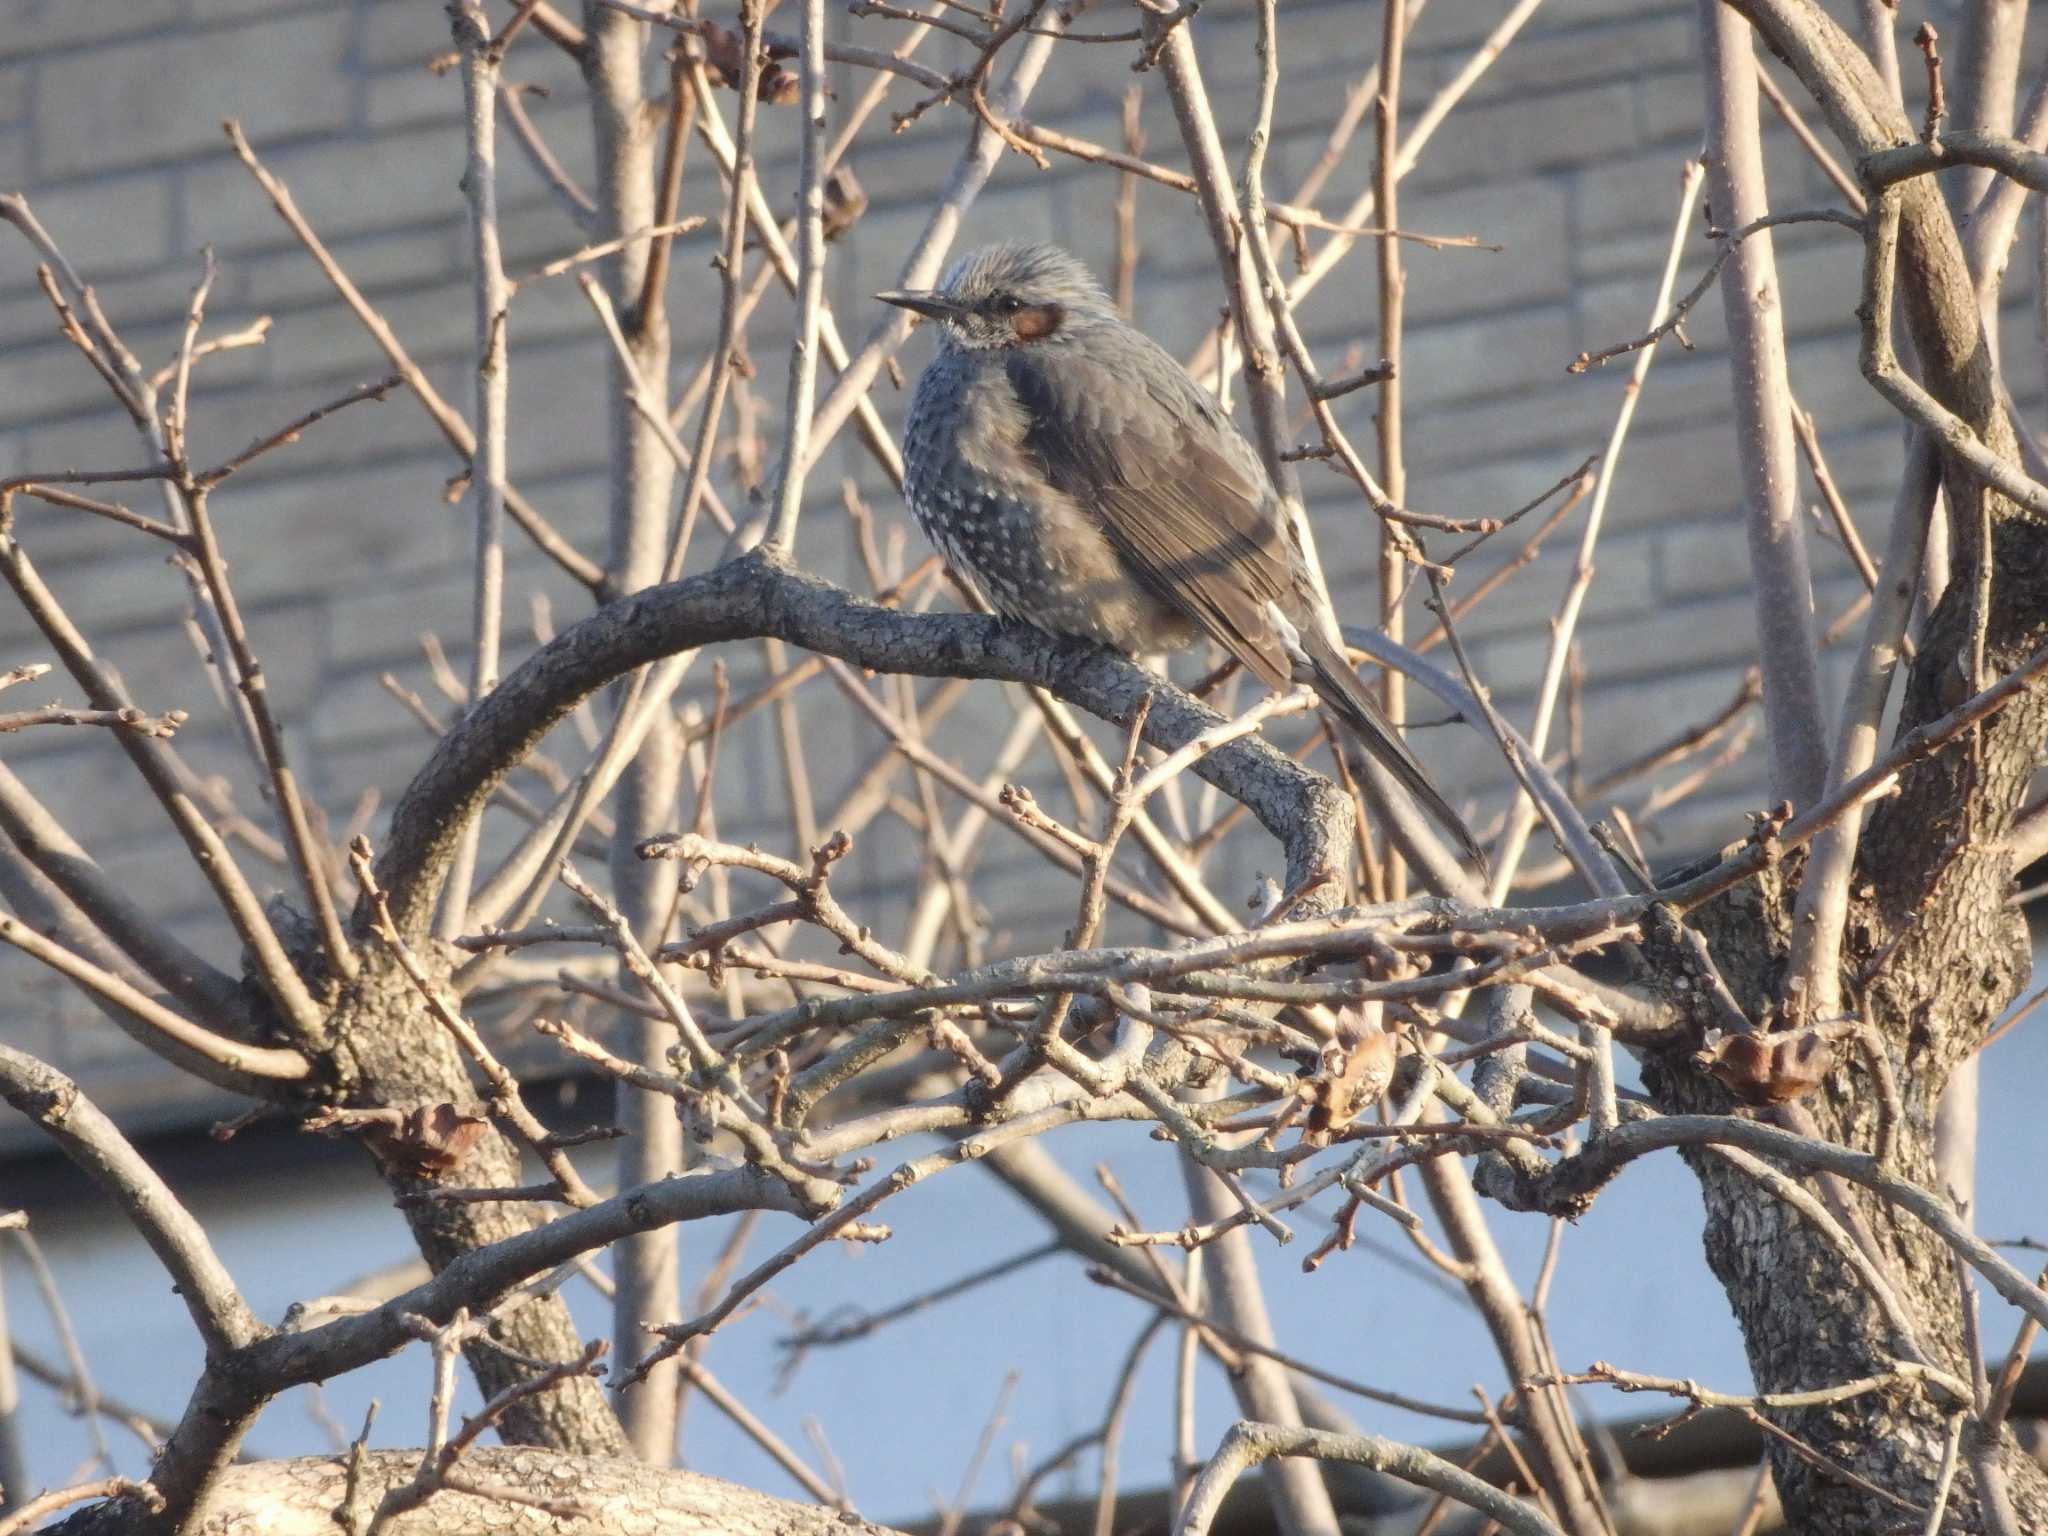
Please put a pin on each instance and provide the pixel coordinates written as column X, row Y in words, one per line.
column 934, row 306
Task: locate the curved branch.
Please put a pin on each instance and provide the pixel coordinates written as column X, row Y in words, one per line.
column 479, row 1278
column 1248, row 1445
column 1941, row 307
column 190, row 978
column 91, row 1141
column 257, row 1070
column 2012, row 158
column 753, row 597
column 236, row 1384
column 1939, row 877
column 1572, row 1181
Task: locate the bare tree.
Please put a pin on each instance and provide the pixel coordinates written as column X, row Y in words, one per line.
column 1797, row 1004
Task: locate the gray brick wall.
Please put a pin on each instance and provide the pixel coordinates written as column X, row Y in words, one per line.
column 343, row 551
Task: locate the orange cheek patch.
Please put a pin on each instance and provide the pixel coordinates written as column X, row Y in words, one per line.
column 1036, row 323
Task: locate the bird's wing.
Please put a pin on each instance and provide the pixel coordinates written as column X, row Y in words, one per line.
column 1178, row 493
column 1186, row 503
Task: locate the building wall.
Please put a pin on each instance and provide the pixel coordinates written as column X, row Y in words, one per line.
column 344, row 551
column 1567, row 155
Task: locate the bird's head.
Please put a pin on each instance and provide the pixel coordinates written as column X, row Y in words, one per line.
column 1010, row 296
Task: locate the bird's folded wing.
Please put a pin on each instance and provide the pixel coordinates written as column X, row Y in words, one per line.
column 1180, row 498
column 1188, row 506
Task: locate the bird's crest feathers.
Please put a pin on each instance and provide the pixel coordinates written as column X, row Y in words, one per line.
column 1034, row 272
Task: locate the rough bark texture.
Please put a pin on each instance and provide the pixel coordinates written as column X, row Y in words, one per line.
column 1806, row 1321
column 389, row 1051
column 1933, row 952
column 621, row 1498
column 381, row 1046
column 753, row 596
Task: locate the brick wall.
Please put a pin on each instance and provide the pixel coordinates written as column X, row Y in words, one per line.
column 1567, row 154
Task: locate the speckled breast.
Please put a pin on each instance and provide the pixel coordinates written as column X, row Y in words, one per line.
column 983, row 499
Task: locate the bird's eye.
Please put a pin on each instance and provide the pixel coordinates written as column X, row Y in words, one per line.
column 1007, row 304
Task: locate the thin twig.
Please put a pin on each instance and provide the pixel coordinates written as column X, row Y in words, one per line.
column 445, row 417
column 506, row 1100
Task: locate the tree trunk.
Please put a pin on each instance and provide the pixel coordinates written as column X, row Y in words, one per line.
column 390, row 1052
column 1806, row 1319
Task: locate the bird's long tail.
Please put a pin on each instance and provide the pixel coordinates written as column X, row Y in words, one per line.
column 1346, row 697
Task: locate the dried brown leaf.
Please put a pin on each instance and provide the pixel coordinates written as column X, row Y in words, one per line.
column 779, row 87
column 425, row 1140
column 1769, row 1068
column 1357, row 1067
column 845, row 201
column 725, row 61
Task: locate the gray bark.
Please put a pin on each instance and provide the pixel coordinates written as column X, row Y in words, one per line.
column 300, row 1498
column 1933, row 951
column 389, row 1051
column 1301, row 1499
column 642, row 486
column 1787, row 644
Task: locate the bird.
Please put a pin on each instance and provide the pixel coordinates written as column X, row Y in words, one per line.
column 1074, row 473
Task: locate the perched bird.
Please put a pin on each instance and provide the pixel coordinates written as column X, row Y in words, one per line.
column 1070, row 469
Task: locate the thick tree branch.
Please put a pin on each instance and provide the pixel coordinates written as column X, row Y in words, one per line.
column 752, row 597
column 641, row 548
column 300, row 1497
column 1933, row 852
column 90, row 1140
column 1574, row 1180
column 237, row 1383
